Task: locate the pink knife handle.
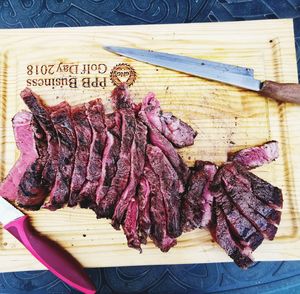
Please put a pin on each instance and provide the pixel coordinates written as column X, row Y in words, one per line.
column 51, row 255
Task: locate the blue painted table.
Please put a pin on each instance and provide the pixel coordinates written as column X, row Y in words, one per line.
column 263, row 277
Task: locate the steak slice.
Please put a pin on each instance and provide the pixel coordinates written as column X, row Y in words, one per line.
column 239, row 191
column 83, row 133
column 137, row 161
column 264, row 191
column 96, row 119
column 158, row 231
column 256, row 156
column 220, row 232
column 179, row 133
column 25, row 140
column 130, row 225
column 240, row 226
column 113, row 122
column 157, row 139
column 61, row 118
column 143, row 197
column 169, row 188
column 42, row 114
column 109, row 168
column 32, row 193
column 197, row 202
column 118, row 184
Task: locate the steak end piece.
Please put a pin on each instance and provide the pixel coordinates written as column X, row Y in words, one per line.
column 179, row 133
column 24, row 137
column 256, row 156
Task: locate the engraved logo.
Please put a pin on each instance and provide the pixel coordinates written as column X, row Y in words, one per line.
column 123, row 73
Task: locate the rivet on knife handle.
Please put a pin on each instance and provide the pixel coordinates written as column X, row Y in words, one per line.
column 283, row 92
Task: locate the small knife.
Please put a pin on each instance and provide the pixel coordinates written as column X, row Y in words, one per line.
column 226, row 73
column 50, row 254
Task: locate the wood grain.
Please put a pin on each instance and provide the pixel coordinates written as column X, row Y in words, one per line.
column 226, row 118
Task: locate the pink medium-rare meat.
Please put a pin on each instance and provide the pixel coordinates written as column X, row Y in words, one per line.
column 119, row 182
column 157, row 139
column 24, row 137
column 158, row 230
column 61, row 119
column 113, row 123
column 137, row 161
column 179, row 133
column 96, row 119
column 83, row 133
column 32, row 193
column 143, row 198
column 121, row 98
column 256, row 156
column 197, row 202
column 130, row 225
column 169, row 188
column 42, row 113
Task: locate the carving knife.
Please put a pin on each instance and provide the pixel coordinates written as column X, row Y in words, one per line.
column 50, row 254
column 230, row 74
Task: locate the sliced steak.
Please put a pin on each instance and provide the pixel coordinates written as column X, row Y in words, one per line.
column 32, row 193
column 137, row 161
column 130, row 225
column 197, row 202
column 158, row 231
column 96, row 119
column 169, row 188
column 42, row 114
column 157, row 139
column 83, row 133
column 221, row 234
column 118, row 184
column 239, row 225
column 144, row 221
column 179, row 133
column 256, row 156
column 61, row 118
column 239, row 191
column 25, row 140
column 113, row 122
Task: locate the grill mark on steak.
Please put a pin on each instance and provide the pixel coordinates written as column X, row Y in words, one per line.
column 169, row 188
column 42, row 114
column 119, row 182
column 130, row 225
column 157, row 139
column 137, row 161
column 61, row 118
column 179, row 133
column 32, row 193
column 83, row 133
column 197, row 202
column 96, row 119
column 256, row 156
column 25, row 141
column 143, row 197
column 220, row 232
column 158, row 231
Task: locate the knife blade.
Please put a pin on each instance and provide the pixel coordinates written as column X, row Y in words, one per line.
column 50, row 254
column 230, row 74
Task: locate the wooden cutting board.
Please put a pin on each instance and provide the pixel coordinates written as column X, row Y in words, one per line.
column 69, row 63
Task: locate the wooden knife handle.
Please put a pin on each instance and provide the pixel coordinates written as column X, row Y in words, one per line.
column 283, row 92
